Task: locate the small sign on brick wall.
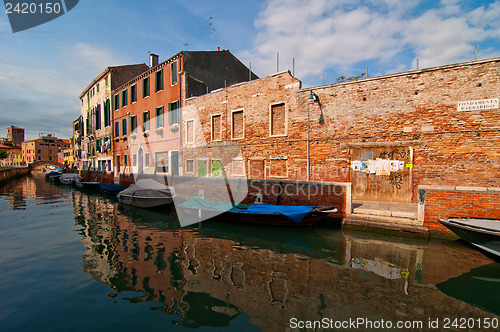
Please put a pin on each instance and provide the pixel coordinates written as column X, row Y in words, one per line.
column 478, row 105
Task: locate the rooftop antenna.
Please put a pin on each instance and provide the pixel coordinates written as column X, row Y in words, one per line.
column 187, row 46
column 475, row 53
column 212, row 29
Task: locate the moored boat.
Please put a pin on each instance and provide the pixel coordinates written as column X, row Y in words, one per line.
column 146, row 193
column 69, row 178
column 482, row 233
column 53, row 175
column 284, row 215
column 91, row 185
column 111, row 188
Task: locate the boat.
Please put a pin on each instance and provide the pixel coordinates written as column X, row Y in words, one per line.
column 111, row 188
column 479, row 287
column 69, row 178
column 53, row 175
column 482, row 233
column 269, row 214
column 92, row 185
column 147, row 193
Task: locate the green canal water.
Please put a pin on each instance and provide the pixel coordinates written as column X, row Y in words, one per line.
column 74, row 261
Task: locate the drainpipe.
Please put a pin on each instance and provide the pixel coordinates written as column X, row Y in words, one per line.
column 308, row 150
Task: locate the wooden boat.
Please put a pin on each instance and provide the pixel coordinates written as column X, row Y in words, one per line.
column 482, row 233
column 146, row 193
column 91, row 185
column 111, row 188
column 196, row 208
column 69, row 178
column 53, row 175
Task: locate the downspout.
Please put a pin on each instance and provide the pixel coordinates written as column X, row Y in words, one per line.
column 308, row 149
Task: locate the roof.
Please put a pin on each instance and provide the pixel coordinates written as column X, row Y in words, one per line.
column 104, row 73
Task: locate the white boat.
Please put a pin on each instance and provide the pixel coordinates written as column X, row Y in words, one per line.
column 482, row 233
column 69, row 178
column 147, row 193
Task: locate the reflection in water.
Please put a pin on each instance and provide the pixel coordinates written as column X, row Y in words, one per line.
column 253, row 277
column 208, row 275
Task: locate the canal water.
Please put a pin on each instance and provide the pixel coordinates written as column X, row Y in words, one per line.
column 74, row 261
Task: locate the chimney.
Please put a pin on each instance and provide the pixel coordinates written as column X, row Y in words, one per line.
column 153, row 60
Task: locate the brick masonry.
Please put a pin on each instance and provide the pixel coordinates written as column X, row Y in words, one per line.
column 415, row 110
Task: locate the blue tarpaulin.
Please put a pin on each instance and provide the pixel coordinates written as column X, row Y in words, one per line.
column 294, row 213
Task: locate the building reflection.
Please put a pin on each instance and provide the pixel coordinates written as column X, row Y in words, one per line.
column 207, row 276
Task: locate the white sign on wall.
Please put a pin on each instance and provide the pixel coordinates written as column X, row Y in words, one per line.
column 478, row 105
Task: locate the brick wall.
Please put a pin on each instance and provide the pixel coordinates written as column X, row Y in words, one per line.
column 458, row 202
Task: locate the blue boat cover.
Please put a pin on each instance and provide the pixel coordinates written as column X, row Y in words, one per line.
column 294, row 213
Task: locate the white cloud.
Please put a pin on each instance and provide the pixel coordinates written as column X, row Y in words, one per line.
column 45, row 97
column 321, row 35
column 341, row 34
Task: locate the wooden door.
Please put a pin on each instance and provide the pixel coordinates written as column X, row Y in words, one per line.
column 382, row 174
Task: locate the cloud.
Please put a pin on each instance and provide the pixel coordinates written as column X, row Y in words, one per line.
column 344, row 35
column 44, row 98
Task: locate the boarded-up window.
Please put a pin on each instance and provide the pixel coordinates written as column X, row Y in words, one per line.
column 190, row 166
column 237, row 123
column 278, row 120
column 190, row 131
column 216, row 127
column 278, row 168
column 256, row 168
column 238, row 167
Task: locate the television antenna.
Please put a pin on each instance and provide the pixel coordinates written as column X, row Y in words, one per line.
column 212, row 29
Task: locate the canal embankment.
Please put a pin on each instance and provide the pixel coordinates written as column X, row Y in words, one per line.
column 10, row 173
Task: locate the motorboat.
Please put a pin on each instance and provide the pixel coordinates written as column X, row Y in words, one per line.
column 146, row 193
column 269, row 214
column 482, row 233
column 69, row 178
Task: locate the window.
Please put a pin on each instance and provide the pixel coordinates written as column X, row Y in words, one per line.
column 237, row 125
column 159, row 80
column 190, row 131
column 190, row 166
column 161, row 162
column 216, row 169
column 125, row 160
column 159, row 117
column 124, row 98
column 97, row 87
column 107, row 114
column 146, row 159
column 173, row 73
column 117, row 129
column 133, row 124
column 98, row 117
column 202, row 168
column 106, row 81
column 133, row 93
column 117, row 102
column 124, row 127
column 173, row 113
column 216, row 127
column 134, row 159
column 145, row 121
column 145, row 87
column 278, row 120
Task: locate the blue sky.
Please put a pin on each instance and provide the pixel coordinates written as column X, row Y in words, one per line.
column 43, row 70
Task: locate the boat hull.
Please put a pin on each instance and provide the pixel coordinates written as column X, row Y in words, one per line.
column 87, row 185
column 276, row 219
column 482, row 233
column 144, row 202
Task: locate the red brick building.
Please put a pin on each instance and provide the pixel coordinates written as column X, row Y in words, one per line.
column 146, row 110
column 45, row 148
column 409, row 137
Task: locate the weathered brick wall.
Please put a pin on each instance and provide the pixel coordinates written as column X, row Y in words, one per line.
column 444, row 203
column 452, row 147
